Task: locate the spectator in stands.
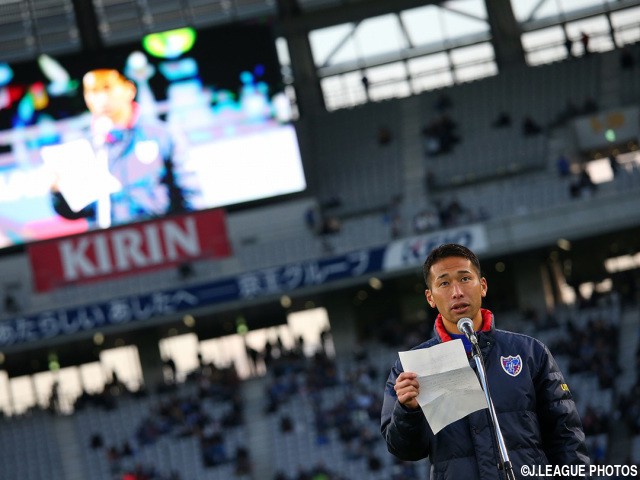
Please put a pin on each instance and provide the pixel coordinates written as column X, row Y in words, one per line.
column 115, row 385
column 11, row 305
column 590, row 105
column 331, row 225
column 286, row 424
column 538, row 415
column 568, row 44
column 54, row 398
column 425, row 221
column 443, row 103
column 243, row 464
column 127, row 449
column 113, row 458
column 440, row 136
column 583, row 186
column 614, row 164
column 452, row 213
column 171, row 371
column 503, row 120
column 563, row 165
column 253, row 356
column 96, row 441
column 384, row 135
column 365, row 84
column 312, row 217
column 142, row 174
column 584, row 40
column 530, row 127
column 627, row 62
column 214, row 451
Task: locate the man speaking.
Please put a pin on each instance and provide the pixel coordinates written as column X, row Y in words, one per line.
column 536, row 412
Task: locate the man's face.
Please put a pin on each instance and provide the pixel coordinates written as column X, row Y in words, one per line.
column 106, row 93
column 456, row 290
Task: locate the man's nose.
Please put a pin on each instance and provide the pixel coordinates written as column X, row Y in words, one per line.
column 101, row 97
column 98, row 97
column 456, row 291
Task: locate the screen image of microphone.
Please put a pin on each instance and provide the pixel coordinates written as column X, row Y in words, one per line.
column 465, row 325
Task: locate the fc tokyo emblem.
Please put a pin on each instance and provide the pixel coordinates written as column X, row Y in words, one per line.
column 512, row 365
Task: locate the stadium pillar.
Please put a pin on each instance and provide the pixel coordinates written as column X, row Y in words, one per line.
column 343, row 324
column 529, row 284
column 87, row 25
column 305, row 78
column 150, row 360
column 505, row 31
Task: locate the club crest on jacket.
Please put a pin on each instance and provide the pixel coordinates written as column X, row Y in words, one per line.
column 512, row 365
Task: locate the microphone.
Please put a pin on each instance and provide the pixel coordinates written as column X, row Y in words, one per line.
column 465, row 325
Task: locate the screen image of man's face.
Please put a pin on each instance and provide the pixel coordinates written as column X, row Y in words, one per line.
column 107, row 93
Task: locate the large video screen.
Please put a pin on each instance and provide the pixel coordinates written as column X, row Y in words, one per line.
column 181, row 121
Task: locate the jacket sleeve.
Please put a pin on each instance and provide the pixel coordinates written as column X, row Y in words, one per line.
column 405, row 431
column 562, row 435
column 62, row 208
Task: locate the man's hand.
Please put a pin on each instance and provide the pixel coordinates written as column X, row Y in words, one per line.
column 407, row 389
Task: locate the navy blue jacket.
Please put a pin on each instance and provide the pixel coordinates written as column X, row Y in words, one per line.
column 536, row 413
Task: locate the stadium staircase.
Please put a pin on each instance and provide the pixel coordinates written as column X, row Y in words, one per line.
column 413, row 157
column 258, row 427
column 70, row 448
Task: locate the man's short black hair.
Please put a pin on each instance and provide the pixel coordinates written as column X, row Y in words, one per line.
column 447, row 250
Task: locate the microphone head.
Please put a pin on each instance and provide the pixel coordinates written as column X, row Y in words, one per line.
column 465, row 324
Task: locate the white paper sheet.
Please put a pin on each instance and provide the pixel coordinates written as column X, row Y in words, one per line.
column 81, row 178
column 449, row 388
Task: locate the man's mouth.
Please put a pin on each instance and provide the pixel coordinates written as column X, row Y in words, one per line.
column 459, row 307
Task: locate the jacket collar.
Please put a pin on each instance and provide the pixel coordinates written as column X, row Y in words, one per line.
column 443, row 335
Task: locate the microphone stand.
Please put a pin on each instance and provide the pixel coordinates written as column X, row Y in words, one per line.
column 505, row 463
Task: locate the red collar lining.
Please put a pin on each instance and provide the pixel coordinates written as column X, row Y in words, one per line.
column 487, row 322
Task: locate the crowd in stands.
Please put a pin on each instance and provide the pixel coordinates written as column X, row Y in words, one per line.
column 571, row 111
column 592, row 349
column 322, row 222
column 177, row 414
column 582, row 185
column 629, row 403
column 343, row 406
column 108, row 397
column 440, row 135
column 337, row 400
column 447, row 214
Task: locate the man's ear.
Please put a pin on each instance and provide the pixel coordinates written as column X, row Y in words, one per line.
column 483, row 283
column 132, row 90
column 427, row 293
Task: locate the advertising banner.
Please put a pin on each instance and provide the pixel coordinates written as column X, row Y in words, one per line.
column 134, row 308
column 124, row 250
